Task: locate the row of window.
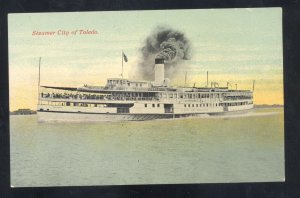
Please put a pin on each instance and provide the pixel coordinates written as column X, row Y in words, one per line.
column 123, row 82
column 216, row 104
column 188, row 96
column 205, row 95
column 235, row 104
column 148, row 105
column 153, row 105
column 75, row 104
column 116, row 81
column 202, row 105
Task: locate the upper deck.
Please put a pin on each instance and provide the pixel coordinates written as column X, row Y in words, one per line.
column 123, row 90
column 131, row 94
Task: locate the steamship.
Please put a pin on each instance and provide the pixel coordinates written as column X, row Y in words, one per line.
column 123, row 99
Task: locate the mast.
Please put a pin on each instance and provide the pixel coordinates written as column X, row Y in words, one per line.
column 122, row 62
column 185, row 79
column 253, row 85
column 207, row 79
column 39, row 82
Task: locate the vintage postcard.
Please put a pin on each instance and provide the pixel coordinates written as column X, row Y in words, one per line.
column 146, row 97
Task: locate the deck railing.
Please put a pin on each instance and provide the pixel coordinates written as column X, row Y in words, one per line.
column 96, row 98
column 105, row 98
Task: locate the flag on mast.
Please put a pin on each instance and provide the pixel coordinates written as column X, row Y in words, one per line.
column 125, row 57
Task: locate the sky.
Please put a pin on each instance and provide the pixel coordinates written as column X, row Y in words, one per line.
column 234, row 45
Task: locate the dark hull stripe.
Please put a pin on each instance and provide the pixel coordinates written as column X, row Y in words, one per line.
column 79, row 112
column 170, row 114
column 137, row 117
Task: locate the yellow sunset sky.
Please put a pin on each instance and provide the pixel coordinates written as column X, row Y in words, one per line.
column 234, row 45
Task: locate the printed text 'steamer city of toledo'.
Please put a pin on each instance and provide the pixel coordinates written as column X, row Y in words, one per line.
column 63, row 32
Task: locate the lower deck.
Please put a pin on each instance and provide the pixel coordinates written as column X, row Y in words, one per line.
column 149, row 108
column 134, row 111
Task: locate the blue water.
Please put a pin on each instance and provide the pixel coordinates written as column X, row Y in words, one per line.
column 233, row 148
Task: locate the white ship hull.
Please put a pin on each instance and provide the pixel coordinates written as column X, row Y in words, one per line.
column 61, row 115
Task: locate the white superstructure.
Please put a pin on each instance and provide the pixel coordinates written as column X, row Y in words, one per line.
column 122, row 99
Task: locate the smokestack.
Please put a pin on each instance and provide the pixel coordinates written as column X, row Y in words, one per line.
column 159, row 71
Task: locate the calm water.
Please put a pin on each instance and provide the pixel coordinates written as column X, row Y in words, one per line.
column 193, row 150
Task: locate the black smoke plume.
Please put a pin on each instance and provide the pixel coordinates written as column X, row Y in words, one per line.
column 167, row 43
